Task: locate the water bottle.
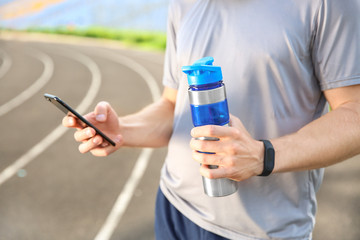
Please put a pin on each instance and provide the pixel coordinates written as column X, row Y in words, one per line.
column 209, row 107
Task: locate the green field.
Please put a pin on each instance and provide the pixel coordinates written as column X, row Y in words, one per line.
column 142, row 39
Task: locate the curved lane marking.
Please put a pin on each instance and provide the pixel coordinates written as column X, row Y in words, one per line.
column 36, row 150
column 139, row 54
column 141, row 164
column 136, row 67
column 7, row 63
column 35, row 87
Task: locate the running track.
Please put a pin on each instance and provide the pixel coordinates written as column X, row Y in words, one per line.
column 50, row 191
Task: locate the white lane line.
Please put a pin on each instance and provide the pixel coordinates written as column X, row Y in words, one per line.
column 6, row 65
column 35, row 87
column 138, row 171
column 150, row 58
column 136, row 67
column 25, row 159
column 124, row 198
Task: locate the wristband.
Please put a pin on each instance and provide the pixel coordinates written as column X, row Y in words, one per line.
column 269, row 158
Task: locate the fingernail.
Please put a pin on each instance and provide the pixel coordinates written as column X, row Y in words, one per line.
column 96, row 140
column 100, row 117
column 89, row 133
column 192, row 132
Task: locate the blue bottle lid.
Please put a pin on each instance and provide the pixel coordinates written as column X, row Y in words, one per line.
column 203, row 72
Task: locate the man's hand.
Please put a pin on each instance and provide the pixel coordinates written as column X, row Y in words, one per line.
column 105, row 119
column 237, row 154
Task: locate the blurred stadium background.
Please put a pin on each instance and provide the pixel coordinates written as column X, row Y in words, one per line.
column 123, row 14
column 60, row 195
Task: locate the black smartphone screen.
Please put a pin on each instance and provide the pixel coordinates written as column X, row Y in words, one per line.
column 69, row 111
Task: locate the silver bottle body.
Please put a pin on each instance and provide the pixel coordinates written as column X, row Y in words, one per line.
column 222, row 186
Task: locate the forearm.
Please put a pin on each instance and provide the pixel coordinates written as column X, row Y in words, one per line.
column 151, row 127
column 325, row 141
column 330, row 139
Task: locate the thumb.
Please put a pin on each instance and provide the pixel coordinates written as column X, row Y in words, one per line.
column 236, row 123
column 101, row 111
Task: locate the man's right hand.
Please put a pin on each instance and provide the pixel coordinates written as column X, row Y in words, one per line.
column 105, row 119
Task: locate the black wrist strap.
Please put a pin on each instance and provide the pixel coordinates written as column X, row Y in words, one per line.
column 269, row 158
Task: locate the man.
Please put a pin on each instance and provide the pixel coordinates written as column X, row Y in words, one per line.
column 281, row 61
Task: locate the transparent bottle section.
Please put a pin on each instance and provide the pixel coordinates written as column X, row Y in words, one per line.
column 210, row 114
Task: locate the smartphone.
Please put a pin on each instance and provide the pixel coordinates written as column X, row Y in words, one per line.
column 71, row 112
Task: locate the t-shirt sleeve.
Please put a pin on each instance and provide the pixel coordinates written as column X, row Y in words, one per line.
column 171, row 68
column 336, row 49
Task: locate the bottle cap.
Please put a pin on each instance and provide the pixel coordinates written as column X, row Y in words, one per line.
column 203, row 72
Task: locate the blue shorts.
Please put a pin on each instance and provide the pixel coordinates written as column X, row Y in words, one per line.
column 170, row 224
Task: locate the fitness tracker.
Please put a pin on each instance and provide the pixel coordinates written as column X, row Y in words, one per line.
column 269, row 158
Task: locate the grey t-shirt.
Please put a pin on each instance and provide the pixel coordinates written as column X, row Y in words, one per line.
column 277, row 57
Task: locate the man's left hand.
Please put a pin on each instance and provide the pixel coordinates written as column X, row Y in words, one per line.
column 237, row 154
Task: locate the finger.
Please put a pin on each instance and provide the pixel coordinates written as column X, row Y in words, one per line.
column 105, row 148
column 69, row 121
column 236, row 123
column 226, row 146
column 233, row 120
column 214, row 131
column 101, row 111
column 224, row 173
column 84, row 134
column 102, row 151
column 208, row 159
column 90, row 144
column 206, row 146
column 72, row 122
column 213, row 173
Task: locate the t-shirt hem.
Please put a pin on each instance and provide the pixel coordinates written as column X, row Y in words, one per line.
column 213, row 228
column 202, row 224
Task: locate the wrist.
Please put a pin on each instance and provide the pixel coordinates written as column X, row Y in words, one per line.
column 260, row 158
